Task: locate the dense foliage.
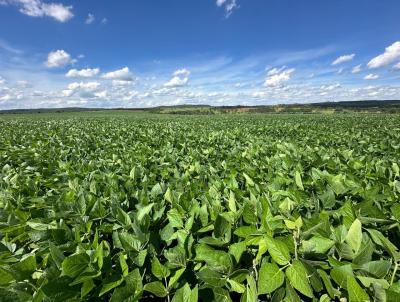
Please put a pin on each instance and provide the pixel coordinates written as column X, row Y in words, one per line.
column 129, row 207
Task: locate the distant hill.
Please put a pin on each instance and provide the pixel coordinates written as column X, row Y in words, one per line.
column 387, row 106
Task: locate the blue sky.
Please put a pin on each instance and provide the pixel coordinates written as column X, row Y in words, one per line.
column 219, row 52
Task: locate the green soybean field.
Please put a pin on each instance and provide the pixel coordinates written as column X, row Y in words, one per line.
column 124, row 206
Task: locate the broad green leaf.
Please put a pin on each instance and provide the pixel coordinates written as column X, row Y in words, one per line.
column 378, row 269
column 354, row 236
column 156, row 288
column 341, row 273
column 218, row 260
column 142, row 212
column 236, row 286
column 356, row 293
column 270, row 278
column 298, row 180
column 159, row 270
column 110, row 284
column 278, row 251
column 73, row 265
column 297, row 276
column 211, row 277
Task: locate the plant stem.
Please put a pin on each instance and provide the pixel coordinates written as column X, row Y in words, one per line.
column 295, row 244
column 396, row 266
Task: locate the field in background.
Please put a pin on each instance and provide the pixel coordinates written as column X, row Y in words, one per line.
column 125, row 206
column 383, row 106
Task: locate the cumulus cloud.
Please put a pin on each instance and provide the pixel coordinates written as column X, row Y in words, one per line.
column 228, row 5
column 343, row 59
column 84, row 88
column 276, row 77
column 397, row 66
column 90, row 19
column 122, row 74
column 177, row 82
column 391, row 54
column 120, row 83
column 330, row 87
column 59, row 58
column 82, row 85
column 371, row 76
column 179, row 78
column 356, row 69
column 83, row 73
column 181, row 72
column 38, row 8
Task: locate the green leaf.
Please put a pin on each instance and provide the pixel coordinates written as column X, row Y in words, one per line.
column 73, row 265
column 378, row 269
column 251, row 290
column 270, row 278
column 237, row 250
column 236, row 286
column 297, row 275
column 175, row 219
column 278, row 251
column 298, row 180
column 354, row 236
column 110, row 284
column 316, row 244
column 175, row 277
column 56, row 255
column 142, row 212
column 341, row 273
column 328, row 284
column 58, row 289
column 218, row 260
column 249, row 181
column 23, row 269
column 86, row 288
column 123, row 217
column 232, row 202
column 221, row 227
column 356, row 293
column 156, row 288
column 211, row 277
column 159, row 270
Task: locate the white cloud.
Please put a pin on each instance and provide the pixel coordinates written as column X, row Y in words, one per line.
column 276, row 77
column 37, row 8
column 90, row 19
column 83, row 73
column 86, row 89
column 259, row 94
column 343, row 59
column 119, row 83
column 391, row 54
column 330, row 87
column 179, row 78
column 59, row 58
column 104, row 21
column 229, row 6
column 23, row 84
column 177, row 82
column 356, row 69
column 397, row 66
column 181, row 72
column 101, row 94
column 371, row 77
column 123, row 74
column 5, row 98
column 89, row 86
